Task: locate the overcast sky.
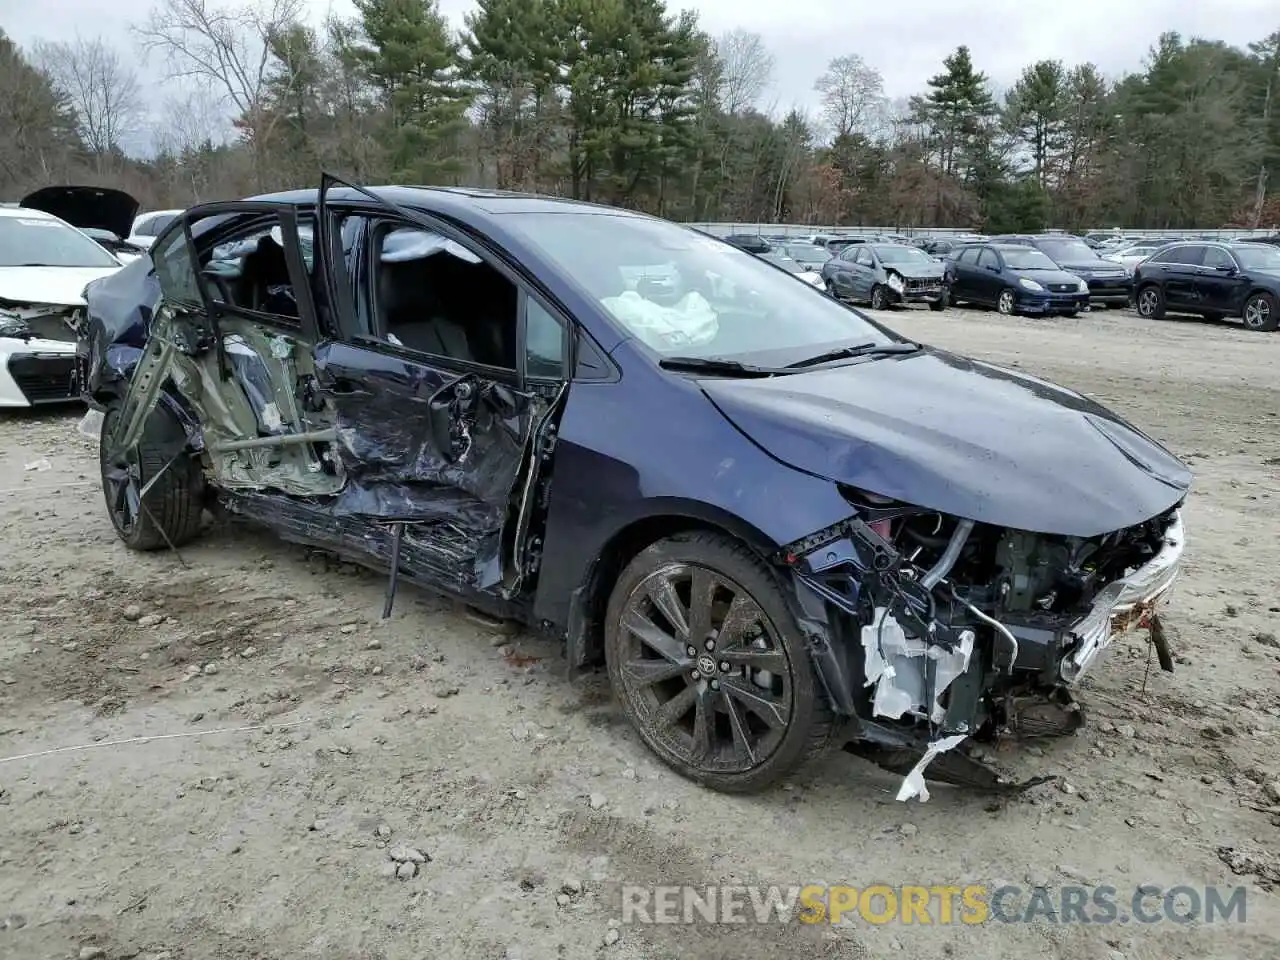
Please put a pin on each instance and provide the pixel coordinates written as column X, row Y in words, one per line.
column 904, row 41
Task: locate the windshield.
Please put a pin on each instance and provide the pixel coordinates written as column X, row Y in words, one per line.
column 1258, row 257
column 37, row 242
column 712, row 300
column 1067, row 251
column 1027, row 258
column 786, row 263
column 897, row 254
column 808, row 254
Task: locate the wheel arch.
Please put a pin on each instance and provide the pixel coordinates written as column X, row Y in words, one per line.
column 663, row 518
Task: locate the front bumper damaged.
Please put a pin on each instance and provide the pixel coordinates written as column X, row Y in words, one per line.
column 1125, row 605
column 919, row 666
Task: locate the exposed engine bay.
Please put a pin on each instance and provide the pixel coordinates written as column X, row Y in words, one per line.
column 952, row 629
column 35, row 321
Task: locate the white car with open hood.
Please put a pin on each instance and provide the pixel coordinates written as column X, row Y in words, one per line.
column 45, row 265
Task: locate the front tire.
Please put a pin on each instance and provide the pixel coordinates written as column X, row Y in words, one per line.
column 943, row 301
column 710, row 666
column 879, row 300
column 174, row 502
column 1260, row 313
column 1006, row 303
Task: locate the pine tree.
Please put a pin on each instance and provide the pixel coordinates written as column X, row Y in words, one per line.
column 958, row 110
column 413, row 62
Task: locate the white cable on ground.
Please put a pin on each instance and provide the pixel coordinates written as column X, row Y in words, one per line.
column 158, row 736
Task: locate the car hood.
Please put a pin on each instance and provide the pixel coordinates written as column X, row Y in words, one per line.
column 101, row 208
column 961, row 437
column 917, row 271
column 59, row 286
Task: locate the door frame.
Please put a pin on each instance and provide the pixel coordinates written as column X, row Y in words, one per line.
column 308, row 324
column 376, row 207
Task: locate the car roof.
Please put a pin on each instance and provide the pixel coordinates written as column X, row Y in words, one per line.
column 459, row 198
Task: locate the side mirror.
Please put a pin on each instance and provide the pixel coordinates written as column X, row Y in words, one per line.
column 1226, row 268
column 993, row 268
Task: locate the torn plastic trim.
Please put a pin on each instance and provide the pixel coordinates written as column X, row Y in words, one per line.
column 1125, row 604
column 913, row 783
column 908, row 672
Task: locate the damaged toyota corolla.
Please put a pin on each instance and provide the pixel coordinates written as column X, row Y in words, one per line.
column 778, row 524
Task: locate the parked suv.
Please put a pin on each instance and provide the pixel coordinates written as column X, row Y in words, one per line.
column 1109, row 283
column 1215, row 280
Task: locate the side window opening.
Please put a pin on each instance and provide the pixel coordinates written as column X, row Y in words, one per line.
column 433, row 296
column 249, row 271
column 1217, row 257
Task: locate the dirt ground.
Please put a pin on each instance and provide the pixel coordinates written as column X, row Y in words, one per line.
column 530, row 794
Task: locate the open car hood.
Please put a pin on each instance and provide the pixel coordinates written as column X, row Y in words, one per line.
column 100, row 208
column 961, row 437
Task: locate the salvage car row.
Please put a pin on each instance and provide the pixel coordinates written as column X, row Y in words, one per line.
column 1042, row 274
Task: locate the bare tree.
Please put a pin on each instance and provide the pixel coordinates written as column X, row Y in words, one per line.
column 853, row 99
column 39, row 140
column 98, row 86
column 746, row 69
column 188, row 122
column 228, row 51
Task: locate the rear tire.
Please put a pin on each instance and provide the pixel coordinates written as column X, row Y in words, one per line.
column 1150, row 302
column 1260, row 313
column 764, row 715
column 174, row 504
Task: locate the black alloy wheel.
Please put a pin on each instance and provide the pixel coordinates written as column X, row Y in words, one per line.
column 709, row 665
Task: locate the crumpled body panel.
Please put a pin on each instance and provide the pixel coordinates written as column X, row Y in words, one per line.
column 416, row 441
column 961, row 437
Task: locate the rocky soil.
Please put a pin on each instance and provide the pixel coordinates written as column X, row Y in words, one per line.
column 321, row 784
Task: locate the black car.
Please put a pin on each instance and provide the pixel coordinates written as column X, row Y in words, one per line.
column 883, row 274
column 750, row 242
column 1014, row 279
column 1109, row 283
column 1212, row 279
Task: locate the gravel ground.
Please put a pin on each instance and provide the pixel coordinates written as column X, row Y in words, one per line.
column 528, row 799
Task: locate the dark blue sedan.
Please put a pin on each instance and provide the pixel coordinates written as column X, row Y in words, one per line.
column 1014, row 279
column 779, row 525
